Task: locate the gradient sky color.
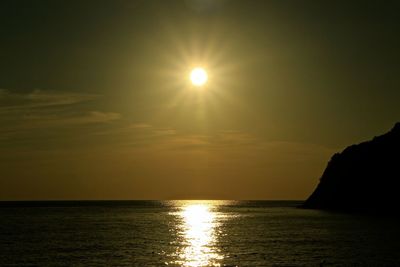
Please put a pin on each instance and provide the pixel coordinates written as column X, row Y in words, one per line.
column 95, row 100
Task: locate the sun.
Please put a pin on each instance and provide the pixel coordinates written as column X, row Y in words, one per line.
column 198, row 76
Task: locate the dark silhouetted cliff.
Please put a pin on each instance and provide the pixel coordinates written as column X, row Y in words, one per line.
column 364, row 177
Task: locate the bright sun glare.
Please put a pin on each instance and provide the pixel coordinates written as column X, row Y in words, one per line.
column 199, row 223
column 198, row 76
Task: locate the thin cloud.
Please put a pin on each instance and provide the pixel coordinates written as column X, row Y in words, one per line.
column 85, row 118
column 139, row 126
column 14, row 102
column 27, row 112
column 32, row 122
column 164, row 131
column 143, row 130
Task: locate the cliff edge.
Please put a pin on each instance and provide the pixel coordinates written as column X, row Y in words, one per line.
column 364, row 177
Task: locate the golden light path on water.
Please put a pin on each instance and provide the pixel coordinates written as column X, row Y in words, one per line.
column 199, row 233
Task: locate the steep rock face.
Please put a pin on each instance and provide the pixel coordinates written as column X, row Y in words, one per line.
column 364, row 177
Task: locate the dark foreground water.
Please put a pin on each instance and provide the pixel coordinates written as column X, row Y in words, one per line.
column 192, row 233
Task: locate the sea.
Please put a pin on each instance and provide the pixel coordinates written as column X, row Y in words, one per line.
column 192, row 233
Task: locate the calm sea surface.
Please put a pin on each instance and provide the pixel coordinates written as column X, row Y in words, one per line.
column 192, row 233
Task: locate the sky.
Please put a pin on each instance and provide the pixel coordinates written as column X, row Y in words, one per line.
column 96, row 103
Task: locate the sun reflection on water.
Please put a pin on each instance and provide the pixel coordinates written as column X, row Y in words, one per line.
column 199, row 233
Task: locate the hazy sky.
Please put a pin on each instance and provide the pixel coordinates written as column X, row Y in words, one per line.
column 95, row 101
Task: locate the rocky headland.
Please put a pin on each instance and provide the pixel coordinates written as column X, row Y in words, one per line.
column 362, row 178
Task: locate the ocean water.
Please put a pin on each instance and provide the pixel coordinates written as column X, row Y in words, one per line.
column 192, row 233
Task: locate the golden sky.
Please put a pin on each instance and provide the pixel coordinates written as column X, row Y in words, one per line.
column 96, row 100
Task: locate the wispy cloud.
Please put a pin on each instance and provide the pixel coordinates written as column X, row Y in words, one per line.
column 64, row 120
column 215, row 141
column 15, row 102
column 29, row 115
column 24, row 113
column 139, row 126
